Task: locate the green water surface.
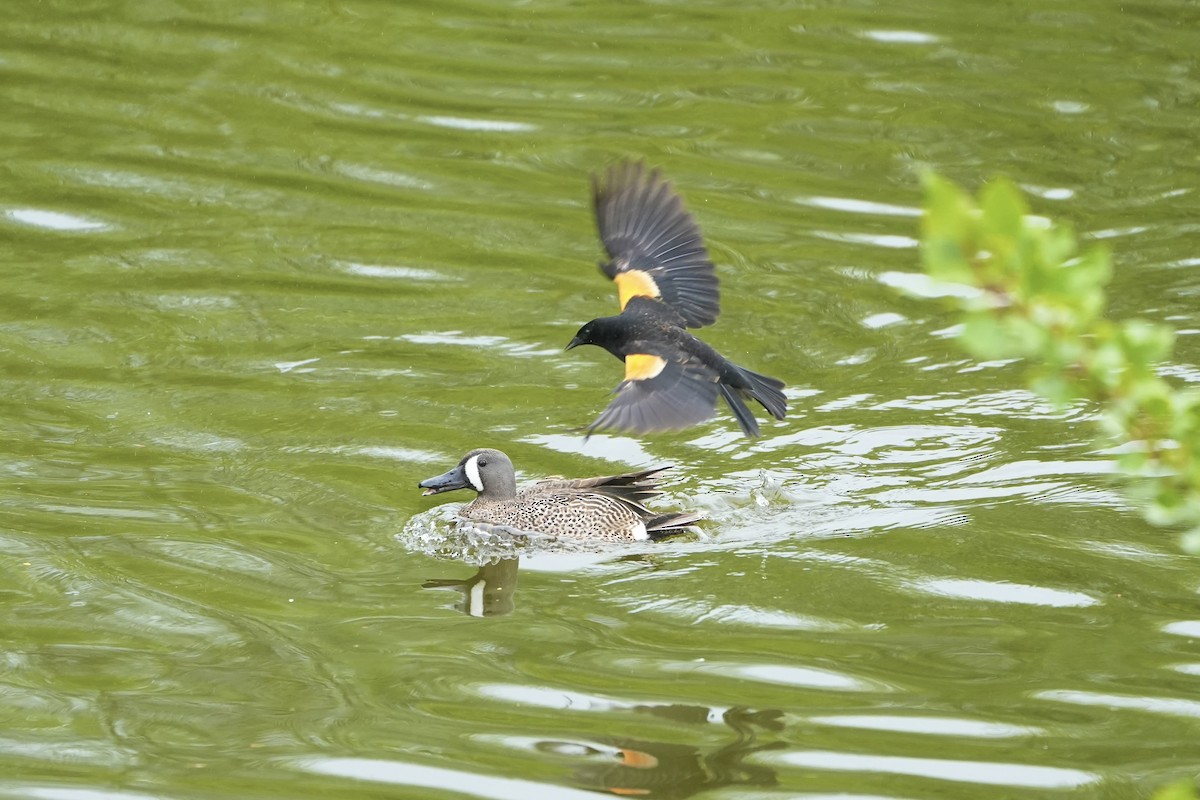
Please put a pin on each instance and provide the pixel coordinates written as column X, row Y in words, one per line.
column 266, row 265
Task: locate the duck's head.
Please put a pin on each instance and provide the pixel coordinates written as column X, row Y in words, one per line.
column 488, row 472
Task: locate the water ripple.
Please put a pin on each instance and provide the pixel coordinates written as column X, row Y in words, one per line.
column 980, row 772
column 1003, row 592
column 1169, row 706
column 54, row 220
column 402, row 773
column 63, row 793
column 777, row 674
column 930, row 726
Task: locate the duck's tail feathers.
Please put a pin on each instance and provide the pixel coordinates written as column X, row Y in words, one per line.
column 663, row 525
column 632, row 488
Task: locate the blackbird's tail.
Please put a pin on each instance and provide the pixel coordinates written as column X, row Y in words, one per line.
column 767, row 391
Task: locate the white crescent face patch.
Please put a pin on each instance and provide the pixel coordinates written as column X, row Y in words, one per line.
column 472, row 470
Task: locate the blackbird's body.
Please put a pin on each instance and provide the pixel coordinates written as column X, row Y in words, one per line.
column 665, row 284
column 650, row 327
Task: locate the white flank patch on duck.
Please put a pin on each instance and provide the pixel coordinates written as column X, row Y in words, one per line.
column 472, row 470
column 639, row 532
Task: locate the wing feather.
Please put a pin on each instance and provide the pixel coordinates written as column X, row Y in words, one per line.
column 646, row 229
column 683, row 393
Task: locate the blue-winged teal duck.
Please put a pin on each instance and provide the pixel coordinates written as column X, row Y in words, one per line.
column 607, row 508
column 665, row 284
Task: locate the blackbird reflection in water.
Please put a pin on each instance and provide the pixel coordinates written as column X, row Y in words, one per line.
column 628, row 766
column 640, row 768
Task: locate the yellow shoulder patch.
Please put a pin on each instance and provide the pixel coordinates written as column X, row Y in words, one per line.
column 642, row 367
column 632, row 283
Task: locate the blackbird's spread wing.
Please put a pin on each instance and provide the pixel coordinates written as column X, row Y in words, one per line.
column 662, row 391
column 654, row 246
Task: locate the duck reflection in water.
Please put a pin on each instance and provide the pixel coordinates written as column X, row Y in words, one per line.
column 491, row 591
column 639, row 768
column 487, row 593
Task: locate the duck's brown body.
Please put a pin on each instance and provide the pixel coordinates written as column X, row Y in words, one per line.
column 607, row 508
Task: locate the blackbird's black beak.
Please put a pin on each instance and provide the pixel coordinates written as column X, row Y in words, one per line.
column 446, row 482
column 573, row 343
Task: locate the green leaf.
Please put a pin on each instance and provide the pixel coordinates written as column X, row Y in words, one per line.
column 1146, row 343
column 1132, row 462
column 1186, row 419
column 1107, row 364
column 1056, row 245
column 1191, row 544
column 1092, row 270
column 1004, row 209
column 1043, row 301
column 1055, row 388
column 948, row 231
column 1166, row 508
column 945, row 259
column 983, row 337
column 988, row 337
column 1180, row 790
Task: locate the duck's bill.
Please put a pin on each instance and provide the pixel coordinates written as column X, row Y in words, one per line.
column 446, row 482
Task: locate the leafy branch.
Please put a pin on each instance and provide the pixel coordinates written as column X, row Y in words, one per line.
column 1040, row 299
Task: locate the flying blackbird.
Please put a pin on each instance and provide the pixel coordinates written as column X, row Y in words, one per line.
column 665, row 285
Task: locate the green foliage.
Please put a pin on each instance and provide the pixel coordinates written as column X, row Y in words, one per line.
column 1041, row 300
column 1180, row 790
